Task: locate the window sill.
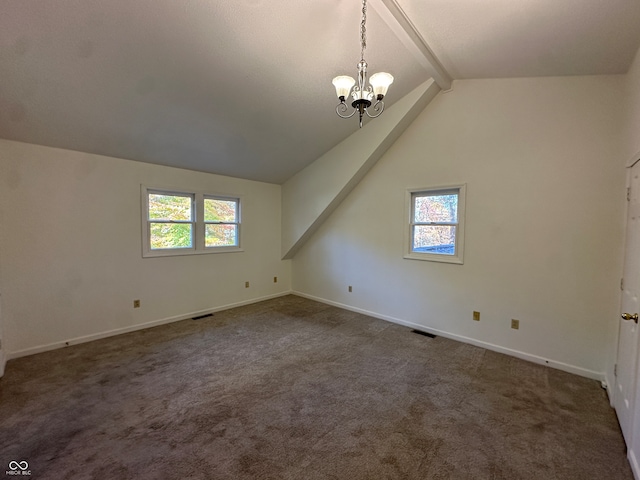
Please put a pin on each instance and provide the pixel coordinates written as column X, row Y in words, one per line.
column 429, row 257
column 181, row 253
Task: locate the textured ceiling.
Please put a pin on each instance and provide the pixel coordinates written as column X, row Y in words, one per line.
column 243, row 87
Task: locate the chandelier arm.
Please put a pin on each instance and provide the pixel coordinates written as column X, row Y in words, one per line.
column 377, row 107
column 342, row 108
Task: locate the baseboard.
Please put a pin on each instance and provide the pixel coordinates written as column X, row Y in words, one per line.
column 633, row 461
column 608, row 385
column 3, row 362
column 133, row 328
column 583, row 372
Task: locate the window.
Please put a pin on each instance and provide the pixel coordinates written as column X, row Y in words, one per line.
column 436, row 224
column 171, row 220
column 221, row 221
column 181, row 223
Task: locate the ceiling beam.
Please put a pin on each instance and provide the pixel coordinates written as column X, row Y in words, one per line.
column 406, row 31
column 315, row 192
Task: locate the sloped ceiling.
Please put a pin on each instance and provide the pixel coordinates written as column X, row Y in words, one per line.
column 529, row 38
column 243, row 88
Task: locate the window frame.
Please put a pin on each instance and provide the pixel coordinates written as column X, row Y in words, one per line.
column 209, row 222
column 411, row 194
column 199, row 225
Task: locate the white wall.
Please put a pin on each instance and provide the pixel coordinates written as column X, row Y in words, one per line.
column 70, row 246
column 545, row 218
column 633, row 111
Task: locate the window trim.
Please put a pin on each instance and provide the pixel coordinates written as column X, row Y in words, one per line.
column 236, row 199
column 198, row 222
column 458, row 258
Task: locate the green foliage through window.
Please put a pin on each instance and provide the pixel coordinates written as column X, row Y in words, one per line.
column 173, row 215
column 171, row 235
column 219, row 210
column 170, row 207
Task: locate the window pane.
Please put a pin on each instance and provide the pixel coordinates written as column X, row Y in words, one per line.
column 171, row 235
column 436, row 208
column 169, row 207
column 216, row 210
column 221, row 235
column 434, row 239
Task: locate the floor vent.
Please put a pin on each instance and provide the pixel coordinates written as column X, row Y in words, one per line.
column 203, row 316
column 430, row 335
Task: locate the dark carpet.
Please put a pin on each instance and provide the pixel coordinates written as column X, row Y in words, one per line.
column 294, row 389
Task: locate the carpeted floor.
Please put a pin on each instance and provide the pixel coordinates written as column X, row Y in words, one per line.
column 294, row 389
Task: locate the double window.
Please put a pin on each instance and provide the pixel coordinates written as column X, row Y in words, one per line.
column 180, row 223
column 436, row 224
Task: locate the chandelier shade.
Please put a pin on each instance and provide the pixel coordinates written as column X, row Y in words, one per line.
column 380, row 82
column 362, row 94
column 343, row 85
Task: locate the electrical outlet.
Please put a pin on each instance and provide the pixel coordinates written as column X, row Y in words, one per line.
column 350, row 289
column 136, row 304
column 275, row 279
column 246, row 284
column 476, row 316
column 515, row 324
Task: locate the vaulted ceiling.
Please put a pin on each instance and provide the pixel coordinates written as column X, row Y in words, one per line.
column 243, row 87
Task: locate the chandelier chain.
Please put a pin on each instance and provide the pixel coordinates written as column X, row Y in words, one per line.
column 363, row 29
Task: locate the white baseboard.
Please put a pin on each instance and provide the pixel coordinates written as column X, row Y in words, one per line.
column 3, row 362
column 633, row 461
column 133, row 328
column 489, row 346
column 583, row 372
column 609, row 382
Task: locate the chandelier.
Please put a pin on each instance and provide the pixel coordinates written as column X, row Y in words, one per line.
column 362, row 95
